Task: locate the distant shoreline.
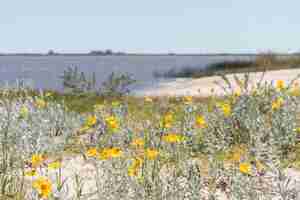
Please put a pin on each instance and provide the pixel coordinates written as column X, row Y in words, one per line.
column 136, row 54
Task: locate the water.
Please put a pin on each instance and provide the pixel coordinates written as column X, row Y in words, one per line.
column 44, row 71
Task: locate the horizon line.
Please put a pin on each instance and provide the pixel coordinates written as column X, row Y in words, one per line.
column 120, row 53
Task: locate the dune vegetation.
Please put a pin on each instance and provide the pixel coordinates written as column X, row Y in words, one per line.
column 260, row 63
column 240, row 146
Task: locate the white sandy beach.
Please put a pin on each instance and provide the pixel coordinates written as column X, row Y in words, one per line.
column 204, row 86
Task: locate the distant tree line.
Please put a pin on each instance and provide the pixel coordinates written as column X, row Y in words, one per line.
column 106, row 52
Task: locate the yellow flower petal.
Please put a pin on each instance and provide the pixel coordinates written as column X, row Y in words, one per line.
column 151, row 154
column 168, row 120
column 91, row 121
column 226, row 108
column 245, row 168
column 200, row 122
column 280, row 84
column 43, row 186
column 276, row 104
column 37, row 160
column 109, row 153
column 54, row 165
column 112, row 123
column 173, row 138
column 92, row 152
column 138, row 142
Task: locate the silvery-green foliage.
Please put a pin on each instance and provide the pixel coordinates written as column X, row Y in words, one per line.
column 40, row 129
column 283, row 125
column 112, row 181
column 117, row 85
column 282, row 186
column 190, row 181
column 77, row 82
column 253, row 121
column 247, row 188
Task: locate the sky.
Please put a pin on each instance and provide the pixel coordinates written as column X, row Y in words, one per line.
column 152, row 26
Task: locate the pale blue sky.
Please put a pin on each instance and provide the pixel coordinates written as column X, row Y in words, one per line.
column 155, row 26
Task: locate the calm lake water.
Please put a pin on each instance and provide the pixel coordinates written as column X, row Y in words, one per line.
column 44, row 71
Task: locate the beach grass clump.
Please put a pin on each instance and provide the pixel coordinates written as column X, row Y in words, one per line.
column 233, row 147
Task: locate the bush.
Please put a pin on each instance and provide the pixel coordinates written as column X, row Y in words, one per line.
column 117, row 85
column 76, row 82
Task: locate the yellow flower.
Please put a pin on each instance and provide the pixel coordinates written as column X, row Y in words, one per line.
column 54, row 165
column 276, row 104
column 91, row 121
column 36, row 160
column 187, row 99
column 109, row 153
column 168, row 119
column 173, row 138
column 43, row 187
column 245, row 168
column 92, row 152
column 151, row 154
column 138, row 142
column 135, row 166
column 280, row 84
column 40, row 103
column 24, row 111
column 226, row 108
column 200, row 122
column 31, row 172
column 148, row 99
column 112, row 122
column 115, row 152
